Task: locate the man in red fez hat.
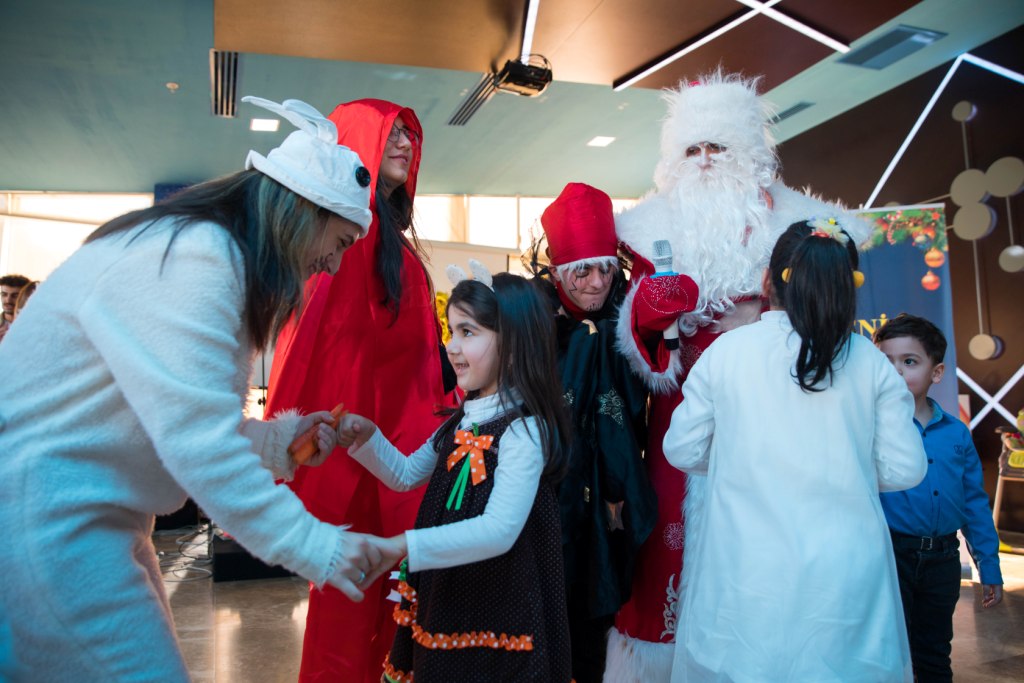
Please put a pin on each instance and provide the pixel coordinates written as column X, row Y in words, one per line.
column 607, row 502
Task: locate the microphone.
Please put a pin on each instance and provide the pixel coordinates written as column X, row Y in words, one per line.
column 663, row 266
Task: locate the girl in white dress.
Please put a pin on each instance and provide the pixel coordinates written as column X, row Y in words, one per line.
column 798, row 424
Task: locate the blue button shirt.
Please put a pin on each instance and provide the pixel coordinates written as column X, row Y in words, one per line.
column 951, row 496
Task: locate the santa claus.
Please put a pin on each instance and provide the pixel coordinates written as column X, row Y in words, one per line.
column 719, row 204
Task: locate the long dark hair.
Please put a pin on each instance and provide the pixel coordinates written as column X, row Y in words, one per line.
column 526, row 359
column 819, row 297
column 394, row 215
column 272, row 226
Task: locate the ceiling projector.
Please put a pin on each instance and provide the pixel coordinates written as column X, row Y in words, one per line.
column 521, row 78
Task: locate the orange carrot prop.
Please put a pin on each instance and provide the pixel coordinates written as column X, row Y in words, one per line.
column 304, row 446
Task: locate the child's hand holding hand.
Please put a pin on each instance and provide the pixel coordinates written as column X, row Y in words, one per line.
column 325, row 439
column 391, row 550
column 354, row 430
column 363, row 560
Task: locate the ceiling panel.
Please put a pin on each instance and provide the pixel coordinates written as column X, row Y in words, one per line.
column 743, row 50
column 85, row 105
column 845, row 21
column 593, row 41
column 441, row 34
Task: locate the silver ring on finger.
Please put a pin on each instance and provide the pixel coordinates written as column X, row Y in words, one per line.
column 362, row 577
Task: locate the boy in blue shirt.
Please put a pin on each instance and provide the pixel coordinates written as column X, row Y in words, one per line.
column 923, row 521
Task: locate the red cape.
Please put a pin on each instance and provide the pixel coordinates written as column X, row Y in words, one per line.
column 347, row 348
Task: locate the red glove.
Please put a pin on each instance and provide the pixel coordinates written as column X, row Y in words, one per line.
column 659, row 302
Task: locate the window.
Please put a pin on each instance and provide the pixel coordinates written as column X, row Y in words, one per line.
column 39, row 230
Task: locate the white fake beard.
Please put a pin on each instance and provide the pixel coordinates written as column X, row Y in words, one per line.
column 710, row 241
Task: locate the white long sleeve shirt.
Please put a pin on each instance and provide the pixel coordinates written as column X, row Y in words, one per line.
column 516, row 479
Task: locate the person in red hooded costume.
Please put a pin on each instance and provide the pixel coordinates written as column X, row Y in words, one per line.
column 368, row 338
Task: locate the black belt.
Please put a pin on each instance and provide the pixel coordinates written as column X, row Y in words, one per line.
column 923, row 543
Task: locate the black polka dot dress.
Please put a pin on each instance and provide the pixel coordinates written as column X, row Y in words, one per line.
column 502, row 619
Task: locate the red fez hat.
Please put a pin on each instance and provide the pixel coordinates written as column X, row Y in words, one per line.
column 579, row 225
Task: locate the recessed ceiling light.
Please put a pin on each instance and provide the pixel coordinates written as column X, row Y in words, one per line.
column 265, row 125
column 600, row 141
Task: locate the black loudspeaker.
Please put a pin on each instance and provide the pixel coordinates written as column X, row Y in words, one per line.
column 186, row 516
column 232, row 562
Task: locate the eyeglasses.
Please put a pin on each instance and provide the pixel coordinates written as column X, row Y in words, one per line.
column 412, row 136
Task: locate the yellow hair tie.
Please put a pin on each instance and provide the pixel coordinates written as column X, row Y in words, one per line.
column 858, row 277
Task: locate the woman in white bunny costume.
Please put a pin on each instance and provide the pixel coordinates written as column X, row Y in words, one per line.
column 719, row 203
column 125, row 394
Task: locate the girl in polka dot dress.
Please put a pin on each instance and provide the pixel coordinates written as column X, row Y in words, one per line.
column 482, row 592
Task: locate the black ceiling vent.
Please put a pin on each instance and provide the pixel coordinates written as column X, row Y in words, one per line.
column 483, row 91
column 529, row 79
column 795, row 109
column 224, row 83
column 891, row 47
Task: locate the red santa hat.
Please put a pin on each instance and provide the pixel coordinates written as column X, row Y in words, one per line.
column 580, row 227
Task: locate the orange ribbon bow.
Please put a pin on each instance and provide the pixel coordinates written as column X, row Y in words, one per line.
column 475, row 447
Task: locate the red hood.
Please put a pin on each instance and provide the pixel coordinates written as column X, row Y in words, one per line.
column 363, row 127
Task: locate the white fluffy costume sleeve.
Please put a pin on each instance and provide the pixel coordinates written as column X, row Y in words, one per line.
column 123, row 393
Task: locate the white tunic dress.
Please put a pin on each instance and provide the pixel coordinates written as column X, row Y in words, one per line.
column 793, row 577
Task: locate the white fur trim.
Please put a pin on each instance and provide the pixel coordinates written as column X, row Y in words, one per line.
column 643, row 223
column 693, row 520
column 275, row 448
column 567, row 269
column 791, row 206
column 659, row 382
column 631, row 660
column 694, row 509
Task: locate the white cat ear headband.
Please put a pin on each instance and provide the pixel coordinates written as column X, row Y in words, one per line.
column 479, row 271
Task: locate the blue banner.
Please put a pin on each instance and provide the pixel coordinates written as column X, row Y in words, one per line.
column 905, row 263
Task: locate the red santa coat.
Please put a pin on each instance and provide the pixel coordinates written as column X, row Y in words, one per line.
column 651, row 613
column 347, row 347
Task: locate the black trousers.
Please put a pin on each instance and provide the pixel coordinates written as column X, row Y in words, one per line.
column 589, row 638
column 929, row 575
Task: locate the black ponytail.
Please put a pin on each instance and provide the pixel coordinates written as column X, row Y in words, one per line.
column 819, row 296
column 394, row 215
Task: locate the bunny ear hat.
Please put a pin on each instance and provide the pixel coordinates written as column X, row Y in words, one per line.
column 480, row 273
column 311, row 163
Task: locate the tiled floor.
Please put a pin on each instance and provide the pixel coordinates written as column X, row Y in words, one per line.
column 251, row 631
